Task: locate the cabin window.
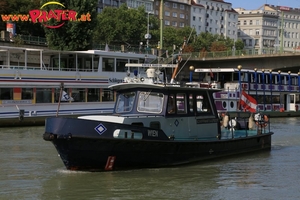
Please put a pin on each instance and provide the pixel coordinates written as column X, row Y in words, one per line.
column 181, row 103
column 93, row 94
column 125, row 102
column 107, row 95
column 171, row 104
column 78, row 94
column 202, row 103
column 108, row 64
column 150, row 102
column 43, row 95
column 6, row 93
column 121, row 65
column 27, row 93
column 191, row 106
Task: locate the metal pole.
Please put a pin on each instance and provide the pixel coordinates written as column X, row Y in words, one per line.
column 264, row 85
column 289, row 72
column 60, row 95
column 279, row 79
column 255, row 75
column 271, row 88
column 161, row 23
column 281, row 35
column 148, row 33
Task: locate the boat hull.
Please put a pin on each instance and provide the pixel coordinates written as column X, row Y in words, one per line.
column 80, row 149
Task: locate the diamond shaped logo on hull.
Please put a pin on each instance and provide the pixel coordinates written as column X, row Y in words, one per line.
column 100, row 129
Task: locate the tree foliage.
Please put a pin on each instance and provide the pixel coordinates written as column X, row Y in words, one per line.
column 73, row 35
column 123, row 26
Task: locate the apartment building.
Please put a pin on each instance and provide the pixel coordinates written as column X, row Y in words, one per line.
column 108, row 3
column 176, row 13
column 214, row 16
column 261, row 29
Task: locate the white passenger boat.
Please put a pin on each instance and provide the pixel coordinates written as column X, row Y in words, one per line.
column 39, row 82
column 273, row 90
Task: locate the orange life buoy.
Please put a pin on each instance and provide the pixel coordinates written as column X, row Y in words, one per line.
column 263, row 123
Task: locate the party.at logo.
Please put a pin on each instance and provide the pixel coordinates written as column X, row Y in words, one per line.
column 60, row 16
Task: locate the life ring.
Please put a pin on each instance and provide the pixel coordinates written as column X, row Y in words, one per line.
column 261, row 120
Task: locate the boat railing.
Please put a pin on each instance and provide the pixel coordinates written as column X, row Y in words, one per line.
column 242, row 129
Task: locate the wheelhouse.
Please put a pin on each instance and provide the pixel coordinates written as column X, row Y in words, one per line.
column 169, row 101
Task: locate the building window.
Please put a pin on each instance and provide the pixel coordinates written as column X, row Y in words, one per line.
column 181, row 24
column 181, row 16
column 250, row 22
column 167, row 22
column 256, row 32
column 174, row 5
column 167, row 13
column 245, row 22
column 174, row 24
column 181, row 7
column 174, row 14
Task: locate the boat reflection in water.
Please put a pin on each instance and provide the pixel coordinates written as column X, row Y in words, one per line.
column 155, row 124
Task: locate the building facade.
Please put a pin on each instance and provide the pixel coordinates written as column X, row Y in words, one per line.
column 214, row 16
column 176, row 13
column 269, row 28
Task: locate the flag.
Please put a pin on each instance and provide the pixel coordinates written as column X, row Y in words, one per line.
column 248, row 102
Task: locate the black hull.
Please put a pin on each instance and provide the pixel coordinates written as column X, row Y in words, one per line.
column 81, row 148
column 92, row 155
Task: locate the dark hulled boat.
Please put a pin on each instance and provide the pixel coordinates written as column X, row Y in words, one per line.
column 154, row 124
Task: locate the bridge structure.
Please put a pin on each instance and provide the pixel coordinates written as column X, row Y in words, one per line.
column 287, row 61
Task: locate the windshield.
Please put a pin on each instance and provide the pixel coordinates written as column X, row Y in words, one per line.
column 150, row 102
column 125, row 102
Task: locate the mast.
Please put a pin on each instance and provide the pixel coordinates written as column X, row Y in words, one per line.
column 161, row 23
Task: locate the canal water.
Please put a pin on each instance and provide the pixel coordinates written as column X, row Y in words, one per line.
column 31, row 169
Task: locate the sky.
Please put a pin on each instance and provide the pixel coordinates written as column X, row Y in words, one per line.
column 255, row 4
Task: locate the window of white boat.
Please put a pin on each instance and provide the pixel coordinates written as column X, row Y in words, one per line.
column 150, row 102
column 125, row 102
column 27, row 93
column 108, row 64
column 43, row 95
column 93, row 94
column 78, row 94
column 131, row 69
column 121, row 65
column 107, row 95
column 6, row 94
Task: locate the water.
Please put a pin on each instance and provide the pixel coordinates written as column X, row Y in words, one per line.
column 31, row 169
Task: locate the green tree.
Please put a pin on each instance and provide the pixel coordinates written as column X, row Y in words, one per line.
column 204, row 41
column 122, row 26
column 73, row 35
